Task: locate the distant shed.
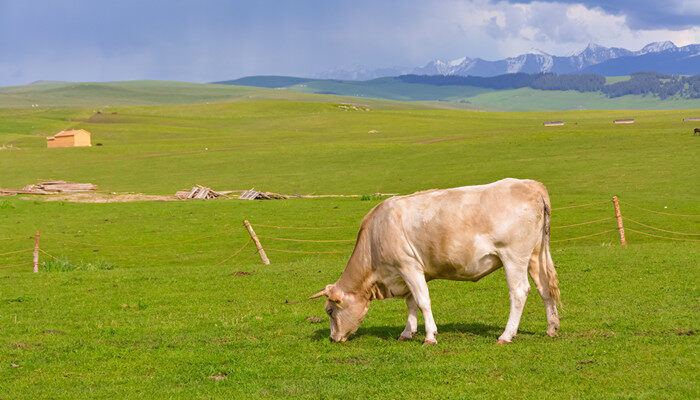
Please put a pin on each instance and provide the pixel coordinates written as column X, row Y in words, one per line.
column 691, row 119
column 72, row 138
column 624, row 121
column 553, row 123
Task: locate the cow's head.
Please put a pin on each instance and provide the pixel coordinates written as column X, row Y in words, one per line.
column 345, row 311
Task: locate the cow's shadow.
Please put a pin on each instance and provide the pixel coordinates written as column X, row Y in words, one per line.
column 392, row 332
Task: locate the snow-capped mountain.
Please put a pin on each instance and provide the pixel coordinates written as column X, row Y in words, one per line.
column 594, row 58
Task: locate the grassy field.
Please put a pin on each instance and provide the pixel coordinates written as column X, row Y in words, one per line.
column 168, row 319
column 129, row 93
column 527, row 99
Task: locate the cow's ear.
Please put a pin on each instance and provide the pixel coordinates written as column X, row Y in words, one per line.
column 334, row 294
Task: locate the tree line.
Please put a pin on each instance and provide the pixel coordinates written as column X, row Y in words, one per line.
column 640, row 83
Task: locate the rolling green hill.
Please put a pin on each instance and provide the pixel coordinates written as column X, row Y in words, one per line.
column 524, row 99
column 99, row 94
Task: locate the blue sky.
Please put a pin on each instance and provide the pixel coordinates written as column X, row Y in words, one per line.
column 208, row 40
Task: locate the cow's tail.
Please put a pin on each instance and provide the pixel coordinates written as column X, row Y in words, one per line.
column 546, row 262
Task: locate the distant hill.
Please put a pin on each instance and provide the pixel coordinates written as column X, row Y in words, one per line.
column 132, row 93
column 268, row 81
column 528, row 91
column 663, row 57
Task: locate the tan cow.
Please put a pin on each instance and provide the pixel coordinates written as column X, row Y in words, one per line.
column 459, row 234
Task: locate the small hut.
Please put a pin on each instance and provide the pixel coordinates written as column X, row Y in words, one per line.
column 624, row 121
column 72, row 138
column 554, row 123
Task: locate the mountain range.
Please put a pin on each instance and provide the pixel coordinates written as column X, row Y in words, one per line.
column 663, row 57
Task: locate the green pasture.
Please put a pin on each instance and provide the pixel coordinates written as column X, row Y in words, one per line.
column 173, row 318
column 136, row 93
column 527, row 99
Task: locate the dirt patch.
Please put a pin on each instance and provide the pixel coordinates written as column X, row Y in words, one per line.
column 218, row 377
column 241, row 273
column 19, row 346
column 685, row 333
column 597, row 334
column 351, row 361
column 290, row 302
column 52, row 331
column 314, row 320
column 105, row 197
column 438, row 140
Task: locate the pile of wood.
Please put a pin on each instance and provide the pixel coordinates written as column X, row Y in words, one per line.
column 200, row 192
column 51, row 187
column 253, row 194
column 61, row 187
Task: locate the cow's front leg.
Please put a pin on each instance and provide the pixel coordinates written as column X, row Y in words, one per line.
column 412, row 323
column 415, row 280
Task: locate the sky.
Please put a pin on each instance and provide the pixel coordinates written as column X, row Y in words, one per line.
column 210, row 40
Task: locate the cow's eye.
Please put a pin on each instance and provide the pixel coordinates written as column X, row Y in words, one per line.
column 329, row 311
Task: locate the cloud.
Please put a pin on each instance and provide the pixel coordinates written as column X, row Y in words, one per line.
column 644, row 14
column 556, row 27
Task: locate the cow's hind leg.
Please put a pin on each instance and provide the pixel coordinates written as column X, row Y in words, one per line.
column 538, row 276
column 412, row 323
column 518, row 288
column 415, row 280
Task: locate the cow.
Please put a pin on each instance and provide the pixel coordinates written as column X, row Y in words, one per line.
column 461, row 234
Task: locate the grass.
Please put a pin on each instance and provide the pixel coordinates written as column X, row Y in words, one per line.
column 527, row 99
column 390, row 88
column 63, row 264
column 131, row 93
column 171, row 320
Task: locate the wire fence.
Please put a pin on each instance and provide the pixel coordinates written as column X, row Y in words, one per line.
column 610, row 224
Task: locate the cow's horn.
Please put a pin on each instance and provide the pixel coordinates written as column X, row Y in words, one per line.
column 323, row 292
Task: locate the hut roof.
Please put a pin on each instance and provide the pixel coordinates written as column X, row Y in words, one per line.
column 70, row 133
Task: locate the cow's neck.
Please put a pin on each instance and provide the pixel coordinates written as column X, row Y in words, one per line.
column 358, row 277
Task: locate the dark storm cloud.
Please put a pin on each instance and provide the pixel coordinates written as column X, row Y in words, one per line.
column 644, row 14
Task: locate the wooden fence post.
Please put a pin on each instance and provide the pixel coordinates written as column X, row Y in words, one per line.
column 36, row 252
column 618, row 217
column 253, row 236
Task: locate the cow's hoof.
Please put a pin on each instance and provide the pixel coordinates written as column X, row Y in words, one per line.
column 429, row 342
column 502, row 341
column 403, row 338
column 552, row 333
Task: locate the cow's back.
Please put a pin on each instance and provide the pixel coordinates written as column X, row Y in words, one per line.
column 457, row 233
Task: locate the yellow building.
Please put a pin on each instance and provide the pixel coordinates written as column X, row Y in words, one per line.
column 74, row 138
